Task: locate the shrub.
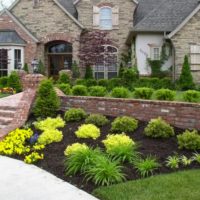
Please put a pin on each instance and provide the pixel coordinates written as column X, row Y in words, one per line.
column 196, row 157
column 80, row 160
column 185, row 161
column 191, row 96
column 103, row 82
column 189, row 140
column 4, row 81
column 165, row 94
column 166, row 83
column 79, row 90
column 88, row 72
column 158, row 128
column 63, row 78
column 146, row 166
column 121, row 70
column 97, row 119
column 49, row 123
column 75, row 70
column 124, row 124
column 80, row 82
column 143, row 93
column 114, row 82
column 50, row 136
column 186, row 80
column 14, row 81
column 47, row 102
column 90, row 82
column 65, row 88
column 71, row 149
column 25, row 68
column 75, row 114
column 97, row 91
column 120, row 92
column 88, row 131
column 129, row 76
column 33, row 157
column 173, row 162
column 120, row 147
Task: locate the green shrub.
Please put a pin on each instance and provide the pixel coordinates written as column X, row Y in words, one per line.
column 186, row 80
column 173, row 162
column 120, row 92
column 88, row 131
column 90, row 82
column 97, row 119
column 105, row 171
column 158, row 128
column 166, row 83
column 103, row 82
column 97, row 91
column 114, row 82
column 75, row 70
column 71, row 149
column 75, row 114
column 124, row 124
column 63, row 78
column 196, row 157
column 189, row 140
column 88, row 72
column 129, row 76
column 47, row 102
column 80, row 82
column 79, row 90
column 143, row 93
column 191, row 96
column 25, row 68
column 41, row 68
column 121, row 70
column 4, row 81
column 65, row 88
column 146, row 166
column 14, row 81
column 120, row 147
column 185, row 161
column 165, row 94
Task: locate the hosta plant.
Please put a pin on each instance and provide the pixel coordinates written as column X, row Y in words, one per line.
column 173, row 162
column 71, row 149
column 185, row 161
column 120, row 147
column 124, row 124
column 88, row 131
column 97, row 119
column 146, row 167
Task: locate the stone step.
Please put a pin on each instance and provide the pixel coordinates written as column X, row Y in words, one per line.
column 5, row 120
column 2, row 127
column 8, row 108
column 7, row 113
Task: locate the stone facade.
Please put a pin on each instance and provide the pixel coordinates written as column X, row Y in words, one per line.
column 188, row 35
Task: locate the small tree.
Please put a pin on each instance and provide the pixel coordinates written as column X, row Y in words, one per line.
column 75, row 70
column 25, row 68
column 14, row 81
column 88, row 73
column 41, row 68
column 47, row 102
column 186, row 79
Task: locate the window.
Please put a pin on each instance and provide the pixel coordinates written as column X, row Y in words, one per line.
column 17, row 57
column 106, row 66
column 195, row 57
column 106, row 18
column 155, row 53
column 3, row 62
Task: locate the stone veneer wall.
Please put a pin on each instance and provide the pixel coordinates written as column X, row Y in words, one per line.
column 182, row 115
column 189, row 34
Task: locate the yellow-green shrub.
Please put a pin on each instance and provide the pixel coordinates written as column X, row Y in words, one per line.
column 50, row 136
column 33, row 157
column 74, row 148
column 88, row 131
column 14, row 142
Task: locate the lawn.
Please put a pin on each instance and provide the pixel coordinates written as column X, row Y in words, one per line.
column 177, row 186
column 3, row 95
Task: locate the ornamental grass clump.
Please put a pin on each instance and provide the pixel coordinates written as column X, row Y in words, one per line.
column 121, row 147
column 71, row 149
column 88, row 131
column 143, row 93
column 158, row 128
column 189, row 140
column 97, row 119
column 75, row 114
column 124, row 124
column 173, row 162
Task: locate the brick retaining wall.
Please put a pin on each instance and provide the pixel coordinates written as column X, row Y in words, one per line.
column 183, row 115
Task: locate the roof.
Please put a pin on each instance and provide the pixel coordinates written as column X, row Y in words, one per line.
column 162, row 15
column 10, row 37
column 69, row 6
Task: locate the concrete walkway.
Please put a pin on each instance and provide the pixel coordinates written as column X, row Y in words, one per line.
column 19, row 181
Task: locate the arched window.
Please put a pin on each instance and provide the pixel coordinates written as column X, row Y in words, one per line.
column 106, row 18
column 60, row 48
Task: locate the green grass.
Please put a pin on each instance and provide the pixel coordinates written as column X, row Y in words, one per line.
column 176, row 186
column 3, row 95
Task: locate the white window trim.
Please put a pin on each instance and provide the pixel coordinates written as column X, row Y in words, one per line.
column 152, row 53
column 195, row 51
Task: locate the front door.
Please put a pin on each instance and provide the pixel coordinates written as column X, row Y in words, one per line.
column 3, row 62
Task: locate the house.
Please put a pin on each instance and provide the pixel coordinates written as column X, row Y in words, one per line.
column 50, row 31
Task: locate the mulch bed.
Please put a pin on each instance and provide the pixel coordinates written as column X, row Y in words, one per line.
column 161, row 148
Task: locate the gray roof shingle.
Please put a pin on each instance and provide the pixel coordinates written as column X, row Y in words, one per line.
column 162, row 15
column 10, row 37
column 69, row 6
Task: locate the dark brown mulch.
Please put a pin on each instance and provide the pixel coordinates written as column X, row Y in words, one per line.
column 161, row 148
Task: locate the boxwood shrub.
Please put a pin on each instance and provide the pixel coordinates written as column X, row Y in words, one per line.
column 97, row 119
column 79, row 90
column 65, row 88
column 143, row 93
column 103, row 82
column 91, row 82
column 158, row 128
column 97, row 91
column 75, row 114
column 114, row 82
column 120, row 92
column 165, row 94
column 191, row 96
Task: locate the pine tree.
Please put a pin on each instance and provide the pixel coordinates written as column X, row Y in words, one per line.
column 88, row 72
column 186, row 79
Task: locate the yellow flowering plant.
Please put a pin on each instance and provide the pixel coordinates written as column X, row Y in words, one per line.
column 121, row 147
column 88, row 131
column 74, row 148
column 33, row 157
